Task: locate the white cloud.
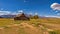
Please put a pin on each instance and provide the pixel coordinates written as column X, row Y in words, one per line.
column 55, row 6
column 20, row 11
column 52, row 16
column 36, row 13
column 14, row 13
column 4, row 12
column 10, row 12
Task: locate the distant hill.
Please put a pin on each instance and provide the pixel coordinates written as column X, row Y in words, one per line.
column 12, row 16
column 8, row 16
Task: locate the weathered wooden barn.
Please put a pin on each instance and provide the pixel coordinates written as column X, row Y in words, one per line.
column 21, row 16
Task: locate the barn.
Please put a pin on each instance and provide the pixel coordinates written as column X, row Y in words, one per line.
column 21, row 16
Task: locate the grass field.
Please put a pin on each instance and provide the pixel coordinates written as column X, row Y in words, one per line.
column 34, row 26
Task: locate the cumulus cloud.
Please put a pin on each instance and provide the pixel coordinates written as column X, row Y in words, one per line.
column 4, row 12
column 10, row 12
column 55, row 6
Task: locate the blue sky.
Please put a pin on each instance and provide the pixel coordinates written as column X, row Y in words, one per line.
column 42, row 7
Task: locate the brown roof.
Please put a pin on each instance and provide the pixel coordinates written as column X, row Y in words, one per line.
column 21, row 17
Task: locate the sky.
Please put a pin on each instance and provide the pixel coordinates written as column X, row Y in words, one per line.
column 41, row 7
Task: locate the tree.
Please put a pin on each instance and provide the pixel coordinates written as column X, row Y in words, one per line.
column 35, row 16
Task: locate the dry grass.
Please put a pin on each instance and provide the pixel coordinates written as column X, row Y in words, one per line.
column 38, row 26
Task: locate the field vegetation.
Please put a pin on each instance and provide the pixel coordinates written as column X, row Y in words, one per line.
column 33, row 26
